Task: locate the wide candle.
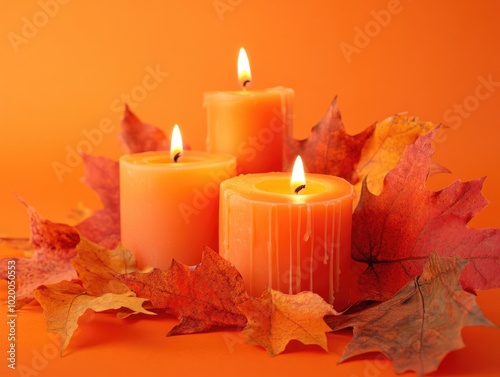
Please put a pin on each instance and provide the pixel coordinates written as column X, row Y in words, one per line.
column 250, row 124
column 289, row 236
column 169, row 203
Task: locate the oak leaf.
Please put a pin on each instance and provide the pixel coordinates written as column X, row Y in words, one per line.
column 98, row 268
column 329, row 149
column 421, row 324
column 52, row 246
column 102, row 176
column 65, row 302
column 394, row 233
column 137, row 136
column 202, row 297
column 276, row 318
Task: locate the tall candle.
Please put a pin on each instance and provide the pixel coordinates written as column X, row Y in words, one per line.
column 169, row 204
column 250, row 124
column 285, row 240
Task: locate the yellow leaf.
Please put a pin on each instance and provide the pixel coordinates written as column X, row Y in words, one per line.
column 382, row 151
column 63, row 303
column 97, row 267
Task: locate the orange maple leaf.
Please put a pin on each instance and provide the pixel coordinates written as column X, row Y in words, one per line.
column 276, row 318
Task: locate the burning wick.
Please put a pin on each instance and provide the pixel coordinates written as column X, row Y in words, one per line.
column 176, row 144
column 245, row 83
column 299, row 188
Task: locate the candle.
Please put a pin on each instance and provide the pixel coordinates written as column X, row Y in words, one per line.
column 289, row 234
column 250, row 124
column 169, row 203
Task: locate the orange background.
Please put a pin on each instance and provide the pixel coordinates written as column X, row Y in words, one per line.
column 70, row 71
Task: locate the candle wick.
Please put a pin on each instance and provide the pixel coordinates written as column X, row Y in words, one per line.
column 245, row 83
column 177, row 156
column 299, row 188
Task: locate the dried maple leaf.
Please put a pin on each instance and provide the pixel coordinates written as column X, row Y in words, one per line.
column 202, row 297
column 421, row 324
column 98, row 267
column 103, row 226
column 394, row 233
column 53, row 247
column 329, row 149
column 274, row 319
column 384, row 148
column 63, row 303
column 137, row 136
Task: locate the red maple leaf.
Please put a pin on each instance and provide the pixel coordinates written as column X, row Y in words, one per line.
column 203, row 297
column 394, row 233
column 137, row 136
column 103, row 226
column 329, row 149
column 53, row 248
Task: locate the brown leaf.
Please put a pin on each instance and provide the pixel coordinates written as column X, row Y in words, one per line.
column 137, row 137
column 421, row 324
column 98, row 267
column 394, row 233
column 329, row 149
column 202, row 297
column 53, row 246
column 276, row 318
column 65, row 302
column 103, row 226
column 384, row 148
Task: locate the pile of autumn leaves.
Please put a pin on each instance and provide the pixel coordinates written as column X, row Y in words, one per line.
column 420, row 260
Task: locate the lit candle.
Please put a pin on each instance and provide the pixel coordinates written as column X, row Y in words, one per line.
column 250, row 124
column 289, row 234
column 169, row 203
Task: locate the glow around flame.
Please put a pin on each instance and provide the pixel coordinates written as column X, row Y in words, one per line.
column 244, row 73
column 298, row 179
column 176, row 148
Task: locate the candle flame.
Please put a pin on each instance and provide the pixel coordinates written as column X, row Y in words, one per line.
column 176, row 144
column 244, row 73
column 298, row 180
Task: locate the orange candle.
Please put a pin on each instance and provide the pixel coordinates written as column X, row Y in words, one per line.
column 289, row 235
column 250, row 124
column 169, row 203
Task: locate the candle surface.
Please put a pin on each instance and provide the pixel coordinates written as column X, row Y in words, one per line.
column 286, row 241
column 170, row 209
column 250, row 125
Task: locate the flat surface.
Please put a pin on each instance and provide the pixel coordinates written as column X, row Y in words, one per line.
column 104, row 344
